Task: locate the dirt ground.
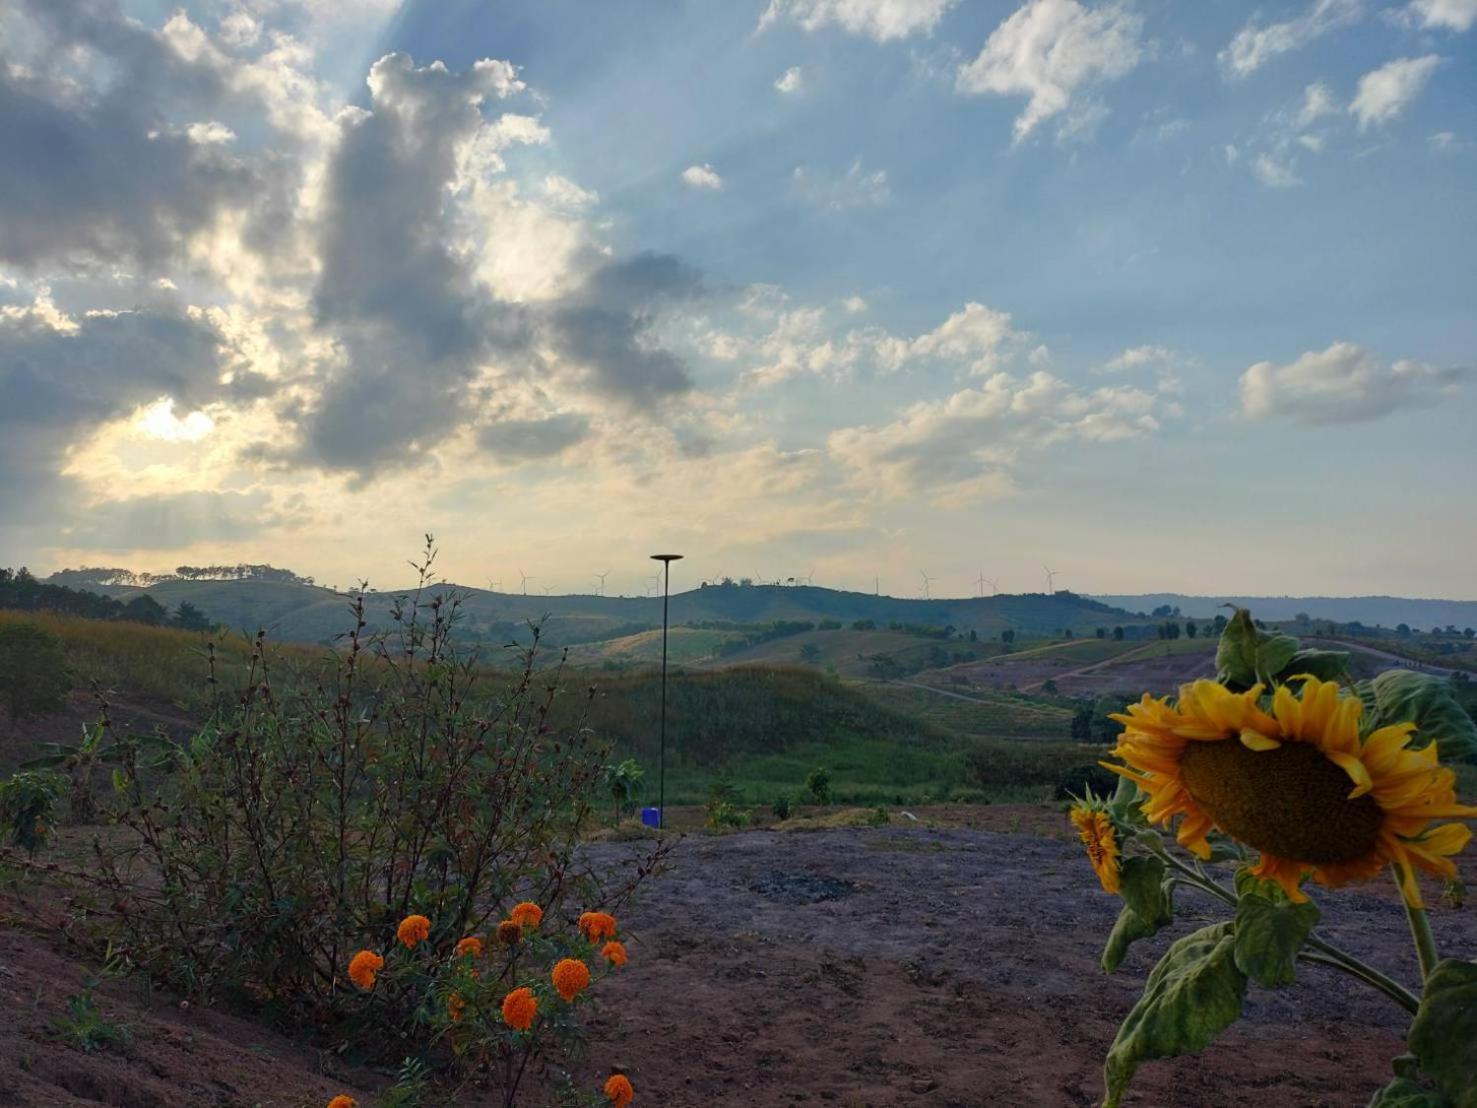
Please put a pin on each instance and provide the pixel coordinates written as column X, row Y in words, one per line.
column 954, row 967
column 948, row 963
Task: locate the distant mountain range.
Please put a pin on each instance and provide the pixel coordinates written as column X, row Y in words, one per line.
column 1373, row 611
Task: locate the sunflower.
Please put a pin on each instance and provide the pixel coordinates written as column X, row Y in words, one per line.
column 1295, row 782
column 1101, row 841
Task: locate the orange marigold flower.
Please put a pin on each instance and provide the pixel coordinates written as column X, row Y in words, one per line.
column 413, row 929
column 343, row 1101
column 509, row 933
column 470, row 945
column 519, row 1008
column 526, row 914
column 618, row 1089
column 615, row 953
column 597, row 925
column 455, row 1006
column 363, row 967
column 570, row 976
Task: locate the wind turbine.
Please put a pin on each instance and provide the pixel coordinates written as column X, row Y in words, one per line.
column 526, row 579
column 548, row 589
column 927, row 580
column 495, row 586
column 602, row 577
column 809, row 578
column 1050, row 580
column 652, row 582
column 994, row 585
column 980, row 583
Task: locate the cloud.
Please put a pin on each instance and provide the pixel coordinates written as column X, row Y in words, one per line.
column 882, row 20
column 1137, row 356
column 604, row 331
column 1318, row 101
column 522, row 440
column 791, row 81
column 1342, row 384
column 1386, row 92
column 172, row 521
column 564, row 193
column 964, row 448
column 1255, row 45
column 1048, row 50
column 702, row 177
column 1273, row 173
column 855, row 188
column 1451, row 15
column 393, row 292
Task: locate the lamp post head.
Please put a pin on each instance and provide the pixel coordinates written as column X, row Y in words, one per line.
column 666, row 557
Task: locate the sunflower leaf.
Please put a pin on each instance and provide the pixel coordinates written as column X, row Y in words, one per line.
column 1405, row 1093
column 1444, row 1034
column 1147, row 907
column 1402, row 695
column 1270, row 930
column 1192, row 995
column 1326, row 665
column 1246, row 655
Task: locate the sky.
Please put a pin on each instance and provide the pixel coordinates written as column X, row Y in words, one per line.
column 1165, row 296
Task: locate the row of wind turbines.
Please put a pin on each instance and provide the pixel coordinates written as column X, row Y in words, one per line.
column 654, row 581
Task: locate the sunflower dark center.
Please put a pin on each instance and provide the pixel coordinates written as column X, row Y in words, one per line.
column 1292, row 802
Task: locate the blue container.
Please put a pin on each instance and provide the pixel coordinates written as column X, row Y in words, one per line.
column 651, row 817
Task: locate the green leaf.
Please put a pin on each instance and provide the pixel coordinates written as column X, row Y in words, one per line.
column 1270, row 930
column 1405, row 1093
column 1246, row 655
column 1401, row 695
column 1326, row 665
column 1444, row 1034
column 1192, row 995
column 1146, row 907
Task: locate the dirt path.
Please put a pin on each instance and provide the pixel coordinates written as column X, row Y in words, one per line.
column 954, row 967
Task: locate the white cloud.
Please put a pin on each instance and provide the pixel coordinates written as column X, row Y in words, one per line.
column 1254, row 46
column 1443, row 142
column 1343, row 384
column 702, row 177
column 791, row 81
column 1274, row 174
column 963, row 448
column 856, row 188
column 1048, row 50
column 1452, row 15
column 564, row 193
column 1318, row 101
column 1136, row 356
column 882, row 20
column 1387, row 91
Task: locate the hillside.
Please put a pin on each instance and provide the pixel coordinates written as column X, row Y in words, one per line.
column 1374, row 611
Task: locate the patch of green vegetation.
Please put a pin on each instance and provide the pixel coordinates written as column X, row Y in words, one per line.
column 85, row 1026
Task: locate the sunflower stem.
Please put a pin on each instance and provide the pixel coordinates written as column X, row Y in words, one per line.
column 1420, row 930
column 1328, row 954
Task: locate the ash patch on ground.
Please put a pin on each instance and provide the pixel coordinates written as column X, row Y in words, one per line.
column 800, row 888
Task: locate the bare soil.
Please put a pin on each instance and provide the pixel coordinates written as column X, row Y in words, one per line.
column 957, row 966
column 950, row 962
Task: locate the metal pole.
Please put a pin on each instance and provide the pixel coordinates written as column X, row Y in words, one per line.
column 661, row 800
column 661, row 795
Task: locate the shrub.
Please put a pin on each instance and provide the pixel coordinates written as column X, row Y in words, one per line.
column 34, row 680
column 818, row 784
column 782, row 806
column 301, row 826
column 27, row 803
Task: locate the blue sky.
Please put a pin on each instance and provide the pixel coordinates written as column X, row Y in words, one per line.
column 1168, row 296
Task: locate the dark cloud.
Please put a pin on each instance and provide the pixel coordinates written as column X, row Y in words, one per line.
column 58, row 386
column 412, row 326
column 171, row 521
column 521, row 440
column 604, row 328
column 97, row 174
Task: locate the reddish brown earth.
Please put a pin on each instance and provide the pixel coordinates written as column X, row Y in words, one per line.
column 956, row 967
column 948, row 966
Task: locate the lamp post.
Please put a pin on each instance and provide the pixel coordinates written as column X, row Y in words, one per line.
column 661, row 788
